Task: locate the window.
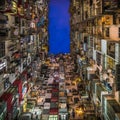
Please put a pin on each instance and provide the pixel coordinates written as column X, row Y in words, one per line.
column 110, row 63
column 2, row 49
column 119, row 32
column 118, row 20
column 107, row 32
column 98, row 58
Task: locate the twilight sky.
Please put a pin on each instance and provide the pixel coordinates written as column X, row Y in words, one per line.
column 59, row 26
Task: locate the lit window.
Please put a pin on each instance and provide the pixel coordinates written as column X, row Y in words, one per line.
column 110, row 63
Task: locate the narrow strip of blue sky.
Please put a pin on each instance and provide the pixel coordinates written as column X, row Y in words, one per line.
column 59, row 26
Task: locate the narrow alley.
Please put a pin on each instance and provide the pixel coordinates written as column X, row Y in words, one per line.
column 58, row 92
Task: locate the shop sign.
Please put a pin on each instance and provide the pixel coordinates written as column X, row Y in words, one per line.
column 2, row 65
